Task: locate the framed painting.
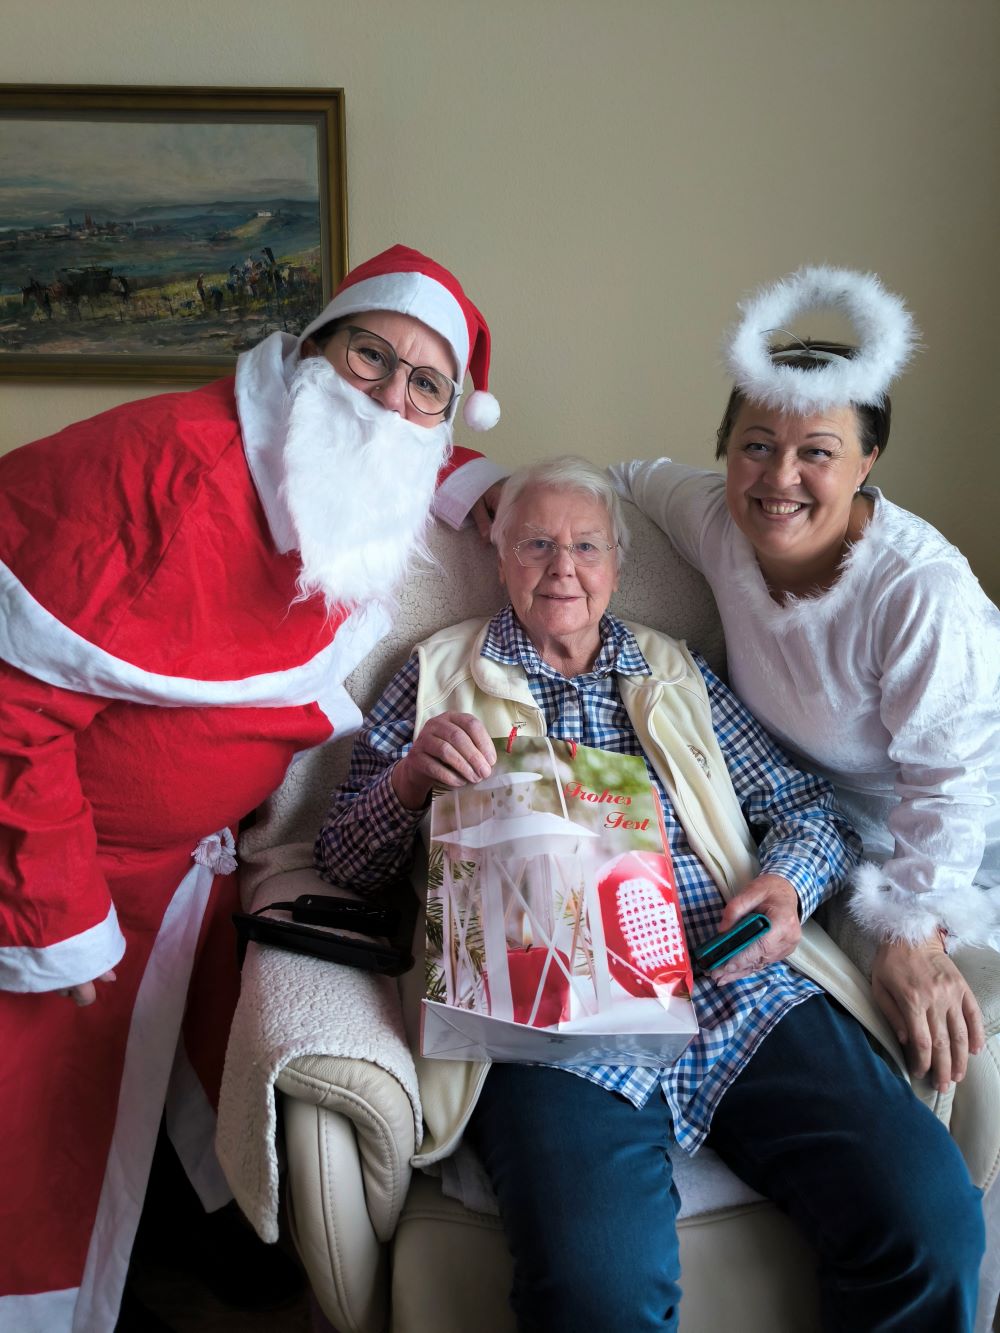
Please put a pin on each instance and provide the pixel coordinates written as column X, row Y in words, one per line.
column 155, row 233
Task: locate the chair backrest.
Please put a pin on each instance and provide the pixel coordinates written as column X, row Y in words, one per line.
column 656, row 588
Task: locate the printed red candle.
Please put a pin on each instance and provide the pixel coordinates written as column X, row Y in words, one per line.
column 533, row 970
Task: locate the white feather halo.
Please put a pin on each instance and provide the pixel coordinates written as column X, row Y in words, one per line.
column 886, row 337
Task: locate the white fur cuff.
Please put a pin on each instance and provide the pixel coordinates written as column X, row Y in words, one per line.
column 969, row 916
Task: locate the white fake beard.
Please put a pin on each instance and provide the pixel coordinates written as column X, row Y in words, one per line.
column 358, row 485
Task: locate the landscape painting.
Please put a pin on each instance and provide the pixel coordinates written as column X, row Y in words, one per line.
column 156, row 233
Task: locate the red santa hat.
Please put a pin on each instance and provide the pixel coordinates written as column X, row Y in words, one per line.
column 407, row 282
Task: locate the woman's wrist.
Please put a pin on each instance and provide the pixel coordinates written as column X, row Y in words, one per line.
column 412, row 794
column 935, row 942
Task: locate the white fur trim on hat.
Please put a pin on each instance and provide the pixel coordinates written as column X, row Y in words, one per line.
column 969, row 916
column 481, row 410
column 407, row 294
column 886, row 337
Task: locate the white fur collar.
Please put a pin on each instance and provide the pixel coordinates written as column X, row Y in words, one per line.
column 825, row 605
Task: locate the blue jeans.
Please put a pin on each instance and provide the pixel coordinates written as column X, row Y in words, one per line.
column 816, row 1121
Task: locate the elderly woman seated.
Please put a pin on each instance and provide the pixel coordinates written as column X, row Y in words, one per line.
column 781, row 1080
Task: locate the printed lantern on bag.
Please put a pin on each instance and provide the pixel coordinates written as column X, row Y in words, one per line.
column 553, row 924
column 528, row 862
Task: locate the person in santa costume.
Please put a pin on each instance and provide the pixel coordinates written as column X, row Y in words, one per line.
column 185, row 582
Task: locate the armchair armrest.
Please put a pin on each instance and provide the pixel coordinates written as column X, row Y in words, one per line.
column 975, row 1114
column 334, row 1037
column 381, row 1116
column 329, row 1220
column 349, row 1137
column 981, row 969
column 974, row 1118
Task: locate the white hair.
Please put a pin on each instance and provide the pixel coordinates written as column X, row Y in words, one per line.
column 565, row 473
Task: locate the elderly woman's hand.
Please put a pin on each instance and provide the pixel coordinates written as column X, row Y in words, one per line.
column 452, row 750
column 777, row 899
column 928, row 1002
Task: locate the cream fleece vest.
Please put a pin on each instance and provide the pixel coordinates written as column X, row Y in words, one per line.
column 671, row 715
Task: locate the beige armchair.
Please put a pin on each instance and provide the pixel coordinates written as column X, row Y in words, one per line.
column 383, row 1246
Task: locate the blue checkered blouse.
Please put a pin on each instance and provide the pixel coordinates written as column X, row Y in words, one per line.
column 368, row 836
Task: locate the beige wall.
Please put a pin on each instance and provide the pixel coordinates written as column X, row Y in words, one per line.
column 609, row 176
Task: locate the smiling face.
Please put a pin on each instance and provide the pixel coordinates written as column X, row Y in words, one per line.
column 560, row 604
column 414, row 343
column 791, row 484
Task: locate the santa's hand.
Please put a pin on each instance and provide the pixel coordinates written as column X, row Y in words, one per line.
column 485, row 508
column 777, row 899
column 452, row 750
column 933, row 1012
column 86, row 992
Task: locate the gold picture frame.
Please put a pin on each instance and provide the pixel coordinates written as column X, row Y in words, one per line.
column 154, row 233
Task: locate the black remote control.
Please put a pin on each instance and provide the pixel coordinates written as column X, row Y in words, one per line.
column 320, row 909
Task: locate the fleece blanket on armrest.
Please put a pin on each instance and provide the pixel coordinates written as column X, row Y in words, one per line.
column 290, row 1006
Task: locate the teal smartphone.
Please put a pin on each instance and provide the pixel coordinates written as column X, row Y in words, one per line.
column 720, row 948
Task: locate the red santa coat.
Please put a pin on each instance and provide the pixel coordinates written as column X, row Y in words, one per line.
column 157, row 679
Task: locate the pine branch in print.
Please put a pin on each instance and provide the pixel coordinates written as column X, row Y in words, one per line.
column 435, row 869
column 434, row 981
column 464, row 933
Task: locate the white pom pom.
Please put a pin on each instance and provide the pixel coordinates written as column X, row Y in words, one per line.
column 481, row 411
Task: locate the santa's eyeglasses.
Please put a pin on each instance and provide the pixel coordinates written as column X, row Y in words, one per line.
column 372, row 358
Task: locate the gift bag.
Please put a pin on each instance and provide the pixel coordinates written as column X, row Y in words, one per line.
column 553, row 923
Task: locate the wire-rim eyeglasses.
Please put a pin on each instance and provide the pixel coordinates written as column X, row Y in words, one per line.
column 374, row 359
column 535, row 551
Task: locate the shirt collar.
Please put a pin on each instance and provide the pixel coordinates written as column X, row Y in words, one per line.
column 506, row 642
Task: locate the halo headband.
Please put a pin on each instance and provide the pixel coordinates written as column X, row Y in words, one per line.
column 809, row 351
column 886, row 337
